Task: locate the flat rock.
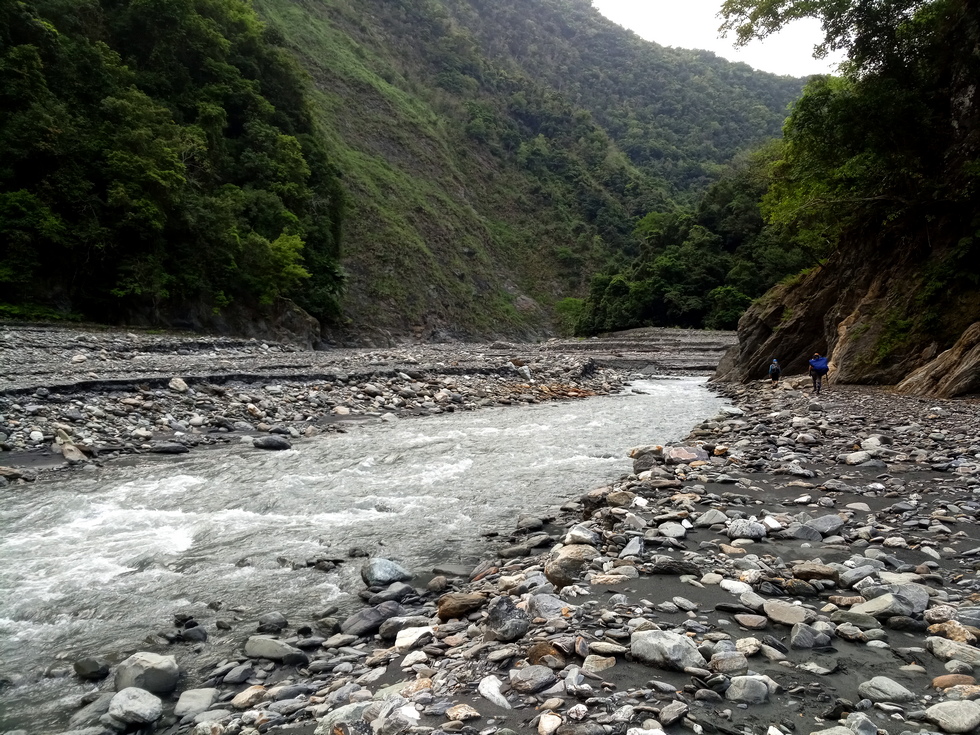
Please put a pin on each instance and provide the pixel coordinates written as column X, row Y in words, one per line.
column 963, row 716
column 666, row 650
column 883, row 689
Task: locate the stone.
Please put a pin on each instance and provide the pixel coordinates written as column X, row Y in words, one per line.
column 135, row 706
column 91, row 669
column 548, row 723
column 273, row 622
column 856, row 458
column 962, row 716
column 489, row 689
column 272, row 442
column 462, row 713
column 531, row 679
column 149, row 671
column 458, row 604
column 952, row 630
column 752, row 622
column 885, row 606
column 809, row 571
column 666, row 650
column 595, row 663
column 826, row 525
column 883, row 689
column 505, row 622
column 747, row 690
column 547, row 606
column 742, row 528
column 785, row 613
column 378, row 572
column 945, row 650
column 369, row 620
column 195, row 701
column 348, row 713
column 684, row 455
column 248, row 698
column 567, row 565
column 262, row 646
column 952, row 680
column 178, row 385
column 673, row 712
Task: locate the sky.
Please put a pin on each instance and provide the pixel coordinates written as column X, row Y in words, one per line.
column 694, row 24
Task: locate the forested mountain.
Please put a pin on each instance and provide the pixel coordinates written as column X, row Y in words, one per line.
column 174, row 161
column 882, row 166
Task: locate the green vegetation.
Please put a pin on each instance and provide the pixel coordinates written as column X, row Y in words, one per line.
column 156, row 153
column 484, row 158
column 882, row 162
column 701, row 267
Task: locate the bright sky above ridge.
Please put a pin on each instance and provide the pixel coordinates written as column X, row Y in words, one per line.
column 694, row 24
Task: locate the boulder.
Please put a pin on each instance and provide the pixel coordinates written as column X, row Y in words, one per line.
column 459, row 605
column 567, row 565
column 883, row 689
column 747, row 690
column 505, row 622
column 962, row 716
column 746, row 529
column 666, row 650
column 135, row 706
column 369, row 620
column 531, row 679
column 194, row 701
column 149, row 671
column 378, row 572
column 262, row 646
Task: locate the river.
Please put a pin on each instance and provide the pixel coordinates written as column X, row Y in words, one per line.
column 93, row 563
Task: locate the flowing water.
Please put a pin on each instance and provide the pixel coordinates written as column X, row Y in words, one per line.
column 91, row 564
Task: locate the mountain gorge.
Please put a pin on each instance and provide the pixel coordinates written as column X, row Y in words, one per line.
column 442, row 168
column 881, row 166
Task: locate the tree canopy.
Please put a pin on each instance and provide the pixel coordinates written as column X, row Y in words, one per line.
column 156, row 153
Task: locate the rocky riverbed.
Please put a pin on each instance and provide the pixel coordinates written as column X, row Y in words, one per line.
column 72, row 397
column 799, row 565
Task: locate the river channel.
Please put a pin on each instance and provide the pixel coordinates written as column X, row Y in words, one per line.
column 93, row 563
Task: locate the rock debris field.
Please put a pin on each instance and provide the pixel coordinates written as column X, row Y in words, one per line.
column 797, row 565
column 78, row 398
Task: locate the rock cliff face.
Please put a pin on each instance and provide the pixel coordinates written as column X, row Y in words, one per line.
column 885, row 311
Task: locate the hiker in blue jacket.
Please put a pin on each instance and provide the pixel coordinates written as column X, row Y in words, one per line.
column 818, row 368
column 774, row 372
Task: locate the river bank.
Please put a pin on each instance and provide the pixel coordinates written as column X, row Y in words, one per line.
column 802, row 563
column 805, row 565
column 73, row 397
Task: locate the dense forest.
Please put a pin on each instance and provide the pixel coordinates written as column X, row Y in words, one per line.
column 881, row 165
column 158, row 153
column 448, row 167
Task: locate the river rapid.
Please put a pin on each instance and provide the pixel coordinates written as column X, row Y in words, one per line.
column 93, row 563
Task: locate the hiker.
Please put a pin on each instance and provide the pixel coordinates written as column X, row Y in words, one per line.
column 774, row 372
column 818, row 368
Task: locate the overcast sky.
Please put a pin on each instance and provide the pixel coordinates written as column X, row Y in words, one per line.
column 694, row 24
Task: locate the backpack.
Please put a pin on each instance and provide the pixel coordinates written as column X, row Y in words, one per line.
column 774, row 370
column 819, row 365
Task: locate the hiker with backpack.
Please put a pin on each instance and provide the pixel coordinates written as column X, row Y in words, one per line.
column 818, row 368
column 774, row 372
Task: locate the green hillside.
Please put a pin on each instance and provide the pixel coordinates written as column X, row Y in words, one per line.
column 490, row 156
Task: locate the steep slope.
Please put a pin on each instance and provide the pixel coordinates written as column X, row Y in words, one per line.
column 884, row 164
column 483, row 186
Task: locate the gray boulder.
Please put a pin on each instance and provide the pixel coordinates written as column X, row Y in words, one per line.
column 505, row 622
column 378, row 572
column 149, row 671
column 963, row 716
column 885, row 606
column 883, row 689
column 135, row 706
column 195, row 701
column 666, row 650
column 261, row 646
column 744, row 528
column 747, row 690
column 531, row 679
column 826, row 525
column 567, row 565
column 369, row 620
